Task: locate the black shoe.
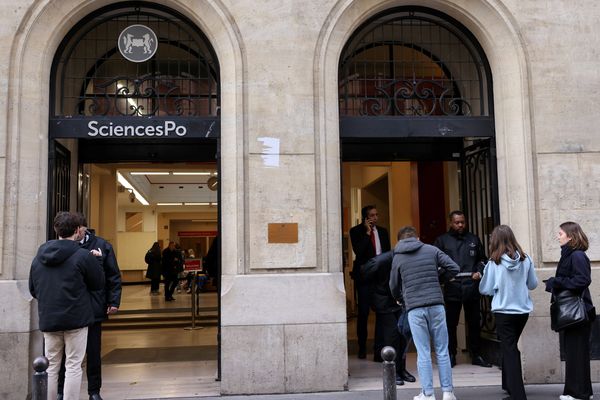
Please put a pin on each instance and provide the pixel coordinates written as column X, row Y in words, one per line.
column 478, row 360
column 170, row 299
column 452, row 361
column 362, row 354
column 95, row 396
column 399, row 381
column 406, row 376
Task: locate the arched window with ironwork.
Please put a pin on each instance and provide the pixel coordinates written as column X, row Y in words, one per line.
column 415, row 63
column 92, row 77
column 415, row 86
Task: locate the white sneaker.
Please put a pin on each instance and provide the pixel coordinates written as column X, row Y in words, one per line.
column 449, row 396
column 422, row 396
column 567, row 397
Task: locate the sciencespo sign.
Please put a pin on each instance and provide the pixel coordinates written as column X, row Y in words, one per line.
column 95, row 128
column 134, row 128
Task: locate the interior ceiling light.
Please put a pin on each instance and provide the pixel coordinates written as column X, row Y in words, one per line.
column 129, row 186
column 197, row 204
column 191, row 173
column 149, row 173
column 169, row 204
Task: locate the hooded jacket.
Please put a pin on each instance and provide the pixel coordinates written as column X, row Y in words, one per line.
column 61, row 277
column 509, row 282
column 110, row 293
column 416, row 272
column 466, row 250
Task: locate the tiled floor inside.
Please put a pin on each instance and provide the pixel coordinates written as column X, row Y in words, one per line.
column 123, row 379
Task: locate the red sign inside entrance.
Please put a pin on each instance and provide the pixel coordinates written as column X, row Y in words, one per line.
column 197, row 233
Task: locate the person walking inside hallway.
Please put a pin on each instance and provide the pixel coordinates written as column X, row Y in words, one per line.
column 154, row 260
column 62, row 277
column 466, row 250
column 417, row 270
column 573, row 273
column 170, row 261
column 105, row 301
column 368, row 240
column 509, row 276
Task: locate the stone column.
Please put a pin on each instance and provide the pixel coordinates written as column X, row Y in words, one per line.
column 284, row 308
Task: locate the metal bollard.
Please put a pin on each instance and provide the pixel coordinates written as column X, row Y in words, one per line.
column 40, row 379
column 194, row 305
column 388, row 354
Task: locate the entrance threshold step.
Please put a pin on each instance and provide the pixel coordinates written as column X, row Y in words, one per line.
column 164, row 310
column 160, row 317
column 158, row 324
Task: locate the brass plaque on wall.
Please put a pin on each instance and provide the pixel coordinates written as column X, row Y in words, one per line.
column 286, row 232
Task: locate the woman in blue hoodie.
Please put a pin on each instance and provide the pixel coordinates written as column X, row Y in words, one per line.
column 509, row 276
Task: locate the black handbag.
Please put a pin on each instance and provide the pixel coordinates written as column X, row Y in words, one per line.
column 566, row 310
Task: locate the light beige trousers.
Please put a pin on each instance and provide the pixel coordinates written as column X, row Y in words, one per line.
column 73, row 344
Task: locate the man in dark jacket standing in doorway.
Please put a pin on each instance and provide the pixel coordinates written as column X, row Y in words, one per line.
column 368, row 240
column 105, row 301
column 465, row 249
column 62, row 277
column 387, row 310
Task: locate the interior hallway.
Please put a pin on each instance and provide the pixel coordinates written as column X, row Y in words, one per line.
column 179, row 362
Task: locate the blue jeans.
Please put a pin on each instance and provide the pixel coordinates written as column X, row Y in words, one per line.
column 425, row 323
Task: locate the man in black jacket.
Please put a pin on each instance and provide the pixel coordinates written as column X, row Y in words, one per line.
column 210, row 263
column 171, row 258
column 466, row 250
column 387, row 310
column 368, row 240
column 62, row 277
column 105, row 301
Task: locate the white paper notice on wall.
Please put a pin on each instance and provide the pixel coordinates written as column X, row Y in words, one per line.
column 270, row 151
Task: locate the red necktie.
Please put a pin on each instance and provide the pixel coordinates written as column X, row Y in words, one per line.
column 373, row 240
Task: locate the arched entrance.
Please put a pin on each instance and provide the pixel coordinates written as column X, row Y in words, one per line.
column 134, row 138
column 417, row 132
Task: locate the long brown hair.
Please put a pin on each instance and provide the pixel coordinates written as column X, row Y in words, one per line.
column 502, row 242
column 579, row 240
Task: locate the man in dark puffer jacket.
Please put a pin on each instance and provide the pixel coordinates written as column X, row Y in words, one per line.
column 61, row 278
column 417, row 269
column 105, row 301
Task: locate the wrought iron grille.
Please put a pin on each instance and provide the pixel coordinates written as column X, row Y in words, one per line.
column 413, row 62
column 479, row 201
column 92, row 77
column 59, row 183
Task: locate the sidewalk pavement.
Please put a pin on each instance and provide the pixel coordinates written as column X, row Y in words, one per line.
column 534, row 392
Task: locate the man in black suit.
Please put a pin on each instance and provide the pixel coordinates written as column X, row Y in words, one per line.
column 368, row 241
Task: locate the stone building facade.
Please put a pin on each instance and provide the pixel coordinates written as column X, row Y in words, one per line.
column 283, row 310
